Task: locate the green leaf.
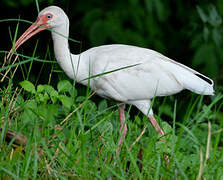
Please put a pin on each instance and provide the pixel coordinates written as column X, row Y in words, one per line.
column 206, row 33
column 80, row 99
column 165, row 145
column 19, row 100
column 29, row 116
column 28, row 86
column 102, row 105
column 47, row 112
column 214, row 17
column 49, row 90
column 73, row 92
column 43, row 98
column 30, row 105
column 40, row 88
column 206, row 56
column 217, row 37
column 66, row 101
column 64, row 86
column 202, row 15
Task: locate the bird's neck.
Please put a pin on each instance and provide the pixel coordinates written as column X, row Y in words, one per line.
column 67, row 61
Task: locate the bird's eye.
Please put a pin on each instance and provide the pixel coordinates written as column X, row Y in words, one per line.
column 49, row 16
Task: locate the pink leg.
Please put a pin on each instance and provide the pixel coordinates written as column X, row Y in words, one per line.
column 156, row 125
column 122, row 131
column 159, row 130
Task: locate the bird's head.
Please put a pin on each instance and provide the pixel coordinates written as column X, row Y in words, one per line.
column 51, row 17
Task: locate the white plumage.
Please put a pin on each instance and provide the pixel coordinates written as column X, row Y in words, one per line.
column 151, row 73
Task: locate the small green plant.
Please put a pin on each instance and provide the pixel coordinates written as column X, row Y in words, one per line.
column 45, row 93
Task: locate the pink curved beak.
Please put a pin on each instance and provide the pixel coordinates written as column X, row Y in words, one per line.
column 36, row 27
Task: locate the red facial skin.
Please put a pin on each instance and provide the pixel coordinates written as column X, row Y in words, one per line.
column 39, row 25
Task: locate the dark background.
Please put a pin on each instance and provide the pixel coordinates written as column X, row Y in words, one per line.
column 187, row 31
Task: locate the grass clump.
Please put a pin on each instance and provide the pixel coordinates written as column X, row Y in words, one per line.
column 69, row 135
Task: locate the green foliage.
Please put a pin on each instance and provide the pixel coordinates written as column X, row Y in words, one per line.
column 209, row 53
column 16, row 3
column 64, row 86
column 28, row 86
column 46, row 93
column 79, row 138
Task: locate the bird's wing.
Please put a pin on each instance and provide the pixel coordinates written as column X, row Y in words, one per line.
column 148, row 74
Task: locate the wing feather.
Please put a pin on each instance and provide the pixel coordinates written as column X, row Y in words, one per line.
column 155, row 74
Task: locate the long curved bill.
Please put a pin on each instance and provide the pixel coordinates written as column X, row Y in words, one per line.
column 35, row 28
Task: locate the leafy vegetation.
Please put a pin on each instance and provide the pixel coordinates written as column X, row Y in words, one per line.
column 79, row 139
column 52, row 128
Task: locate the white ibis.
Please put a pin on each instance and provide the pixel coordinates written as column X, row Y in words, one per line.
column 150, row 73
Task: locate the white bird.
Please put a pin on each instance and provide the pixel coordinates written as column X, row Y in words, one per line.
column 149, row 73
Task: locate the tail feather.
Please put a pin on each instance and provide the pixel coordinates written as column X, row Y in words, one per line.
column 197, row 83
column 189, row 78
